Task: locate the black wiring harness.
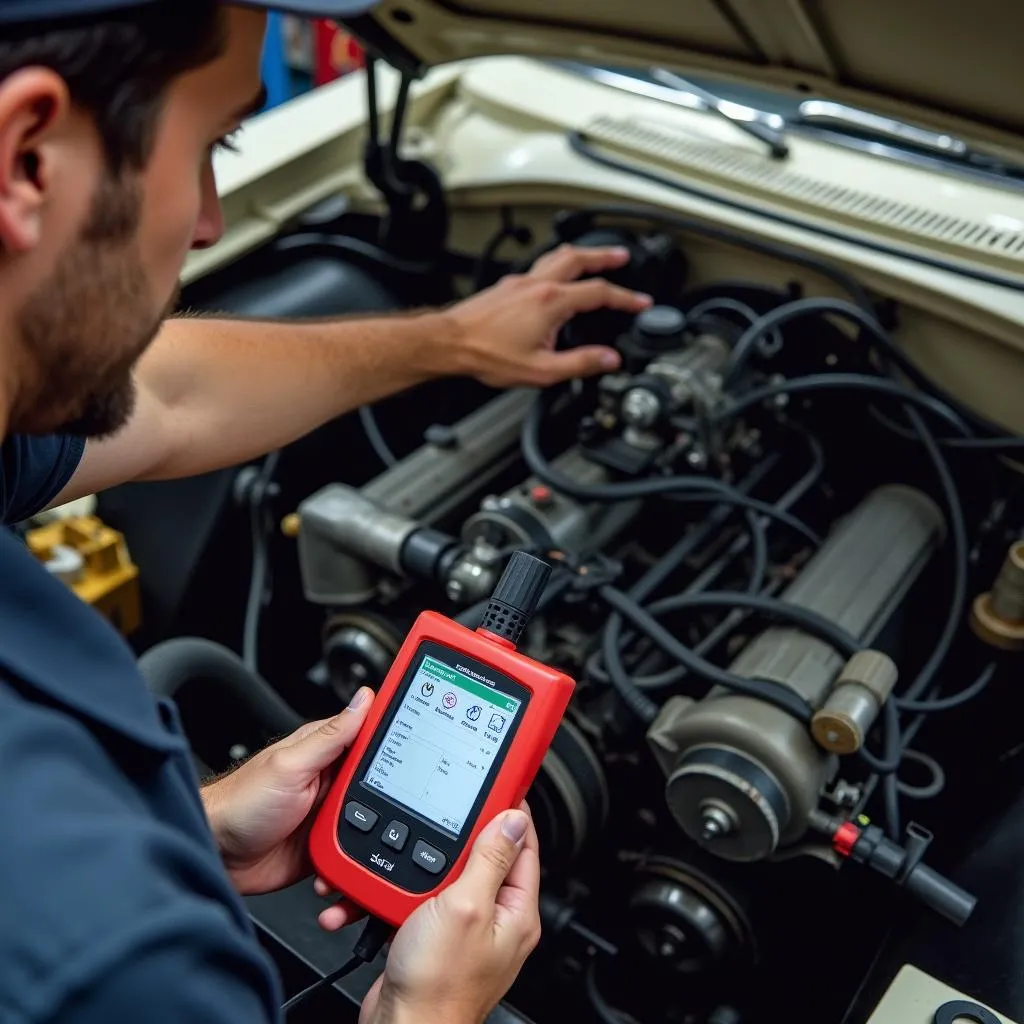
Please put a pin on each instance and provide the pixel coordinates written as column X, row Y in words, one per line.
column 930, row 416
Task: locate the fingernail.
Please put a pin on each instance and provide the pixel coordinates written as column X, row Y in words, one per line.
column 513, row 826
column 358, row 700
column 647, row 300
column 610, row 360
column 621, row 251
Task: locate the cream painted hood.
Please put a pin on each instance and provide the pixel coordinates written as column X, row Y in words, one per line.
column 949, row 66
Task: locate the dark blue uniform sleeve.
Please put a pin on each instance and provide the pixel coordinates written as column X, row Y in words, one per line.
column 108, row 913
column 178, row 968
column 33, row 471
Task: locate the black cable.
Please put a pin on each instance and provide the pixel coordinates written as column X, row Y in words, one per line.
column 954, row 700
column 685, row 488
column 372, row 430
column 758, row 553
column 800, row 308
column 842, row 641
column 783, row 315
column 846, row 382
column 346, row 968
column 707, row 644
column 773, row 693
column 890, row 762
column 710, row 306
column 961, row 566
column 260, row 585
column 938, row 777
column 642, row 706
column 606, row 1013
column 613, row 642
column 371, row 939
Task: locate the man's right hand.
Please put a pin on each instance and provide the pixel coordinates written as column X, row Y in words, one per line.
column 455, row 958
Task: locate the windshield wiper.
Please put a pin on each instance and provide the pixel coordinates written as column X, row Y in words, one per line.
column 838, row 115
column 764, row 127
column 841, row 118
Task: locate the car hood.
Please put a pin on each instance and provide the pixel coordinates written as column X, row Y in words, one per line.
column 945, row 65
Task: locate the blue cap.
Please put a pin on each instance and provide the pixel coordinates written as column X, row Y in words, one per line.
column 13, row 11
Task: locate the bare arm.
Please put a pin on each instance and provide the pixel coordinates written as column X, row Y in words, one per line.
column 214, row 393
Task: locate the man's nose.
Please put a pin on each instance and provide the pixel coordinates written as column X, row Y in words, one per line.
column 210, row 224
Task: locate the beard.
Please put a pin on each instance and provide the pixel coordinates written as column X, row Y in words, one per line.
column 84, row 330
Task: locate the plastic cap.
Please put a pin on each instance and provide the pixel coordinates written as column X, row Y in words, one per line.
column 516, row 596
column 523, row 582
column 660, row 322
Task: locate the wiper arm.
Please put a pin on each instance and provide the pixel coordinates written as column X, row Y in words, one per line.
column 838, row 115
column 754, row 122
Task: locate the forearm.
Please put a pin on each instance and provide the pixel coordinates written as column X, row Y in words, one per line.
column 230, row 390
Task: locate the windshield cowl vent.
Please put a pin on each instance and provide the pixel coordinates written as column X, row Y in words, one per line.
column 731, row 166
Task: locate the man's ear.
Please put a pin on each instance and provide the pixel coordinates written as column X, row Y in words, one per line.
column 33, row 104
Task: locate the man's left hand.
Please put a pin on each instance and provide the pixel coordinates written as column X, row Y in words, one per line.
column 261, row 814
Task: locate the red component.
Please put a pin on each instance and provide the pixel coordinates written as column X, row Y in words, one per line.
column 540, row 495
column 550, row 693
column 845, row 838
column 495, row 639
column 337, row 53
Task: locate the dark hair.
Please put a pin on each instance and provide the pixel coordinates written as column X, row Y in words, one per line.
column 118, row 66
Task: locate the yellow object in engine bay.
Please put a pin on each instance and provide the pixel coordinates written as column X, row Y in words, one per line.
column 93, row 560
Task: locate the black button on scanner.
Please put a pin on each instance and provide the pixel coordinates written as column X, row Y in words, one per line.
column 395, row 835
column 428, row 858
column 360, row 817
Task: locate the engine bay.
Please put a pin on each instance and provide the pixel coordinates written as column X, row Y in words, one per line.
column 788, row 578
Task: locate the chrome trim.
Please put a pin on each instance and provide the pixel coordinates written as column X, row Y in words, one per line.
column 942, row 162
column 838, row 115
column 727, row 108
column 767, row 128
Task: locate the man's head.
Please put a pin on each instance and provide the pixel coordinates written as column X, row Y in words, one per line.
column 108, row 124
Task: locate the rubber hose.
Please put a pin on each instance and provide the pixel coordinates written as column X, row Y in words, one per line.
column 173, row 664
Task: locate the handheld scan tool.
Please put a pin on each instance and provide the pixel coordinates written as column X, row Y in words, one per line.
column 456, row 736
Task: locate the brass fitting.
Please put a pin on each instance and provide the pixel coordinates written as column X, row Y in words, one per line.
column 290, row 525
column 997, row 617
column 850, row 710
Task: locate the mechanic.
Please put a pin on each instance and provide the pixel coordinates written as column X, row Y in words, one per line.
column 120, row 879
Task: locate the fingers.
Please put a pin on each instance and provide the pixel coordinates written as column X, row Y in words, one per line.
column 493, row 855
column 314, row 749
column 567, row 262
column 584, row 296
column 585, row 361
column 303, row 731
column 339, row 916
column 517, row 912
column 524, row 878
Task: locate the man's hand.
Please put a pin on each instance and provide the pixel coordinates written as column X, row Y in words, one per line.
column 261, row 814
column 506, row 335
column 455, row 958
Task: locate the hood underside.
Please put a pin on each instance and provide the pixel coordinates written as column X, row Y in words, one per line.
column 949, row 66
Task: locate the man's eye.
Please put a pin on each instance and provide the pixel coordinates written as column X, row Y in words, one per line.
column 228, row 142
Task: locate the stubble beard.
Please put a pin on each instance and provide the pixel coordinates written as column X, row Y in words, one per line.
column 83, row 332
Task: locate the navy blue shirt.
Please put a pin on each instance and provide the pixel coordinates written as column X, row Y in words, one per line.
column 114, row 904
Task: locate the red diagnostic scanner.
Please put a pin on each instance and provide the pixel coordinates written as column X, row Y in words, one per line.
column 456, row 736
